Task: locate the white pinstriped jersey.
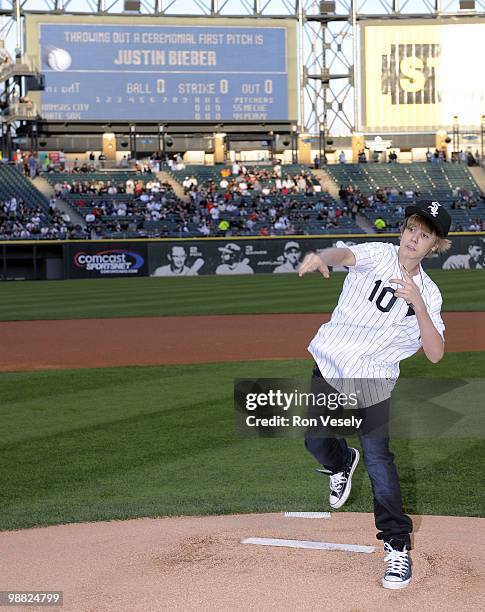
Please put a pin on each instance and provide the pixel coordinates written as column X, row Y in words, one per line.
column 371, row 330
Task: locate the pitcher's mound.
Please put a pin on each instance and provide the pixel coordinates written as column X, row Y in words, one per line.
column 198, row 563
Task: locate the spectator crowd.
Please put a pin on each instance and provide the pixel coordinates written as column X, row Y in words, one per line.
column 236, row 201
column 387, row 206
column 260, row 200
column 20, row 221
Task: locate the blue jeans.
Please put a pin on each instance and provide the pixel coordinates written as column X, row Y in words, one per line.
column 332, row 452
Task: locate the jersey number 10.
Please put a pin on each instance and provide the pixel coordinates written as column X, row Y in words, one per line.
column 385, row 305
column 381, row 297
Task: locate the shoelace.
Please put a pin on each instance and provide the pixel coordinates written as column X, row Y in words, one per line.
column 337, row 481
column 397, row 561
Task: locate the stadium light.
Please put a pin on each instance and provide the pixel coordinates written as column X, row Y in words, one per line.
column 294, row 144
column 132, row 6
column 5, row 140
column 323, row 129
column 271, row 144
column 327, row 8
column 34, row 138
column 133, row 141
column 161, row 138
column 456, row 134
column 482, row 139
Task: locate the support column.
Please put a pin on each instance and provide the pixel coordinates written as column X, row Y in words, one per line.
column 219, row 148
column 304, row 149
column 109, row 146
column 358, row 144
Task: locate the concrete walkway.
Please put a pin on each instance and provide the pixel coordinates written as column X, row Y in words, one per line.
column 327, row 182
column 165, row 177
column 47, row 190
column 330, row 186
column 479, row 176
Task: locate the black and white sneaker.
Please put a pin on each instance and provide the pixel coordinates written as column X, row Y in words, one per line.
column 341, row 482
column 398, row 572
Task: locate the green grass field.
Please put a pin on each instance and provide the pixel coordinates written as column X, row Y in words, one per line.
column 86, row 445
column 132, row 297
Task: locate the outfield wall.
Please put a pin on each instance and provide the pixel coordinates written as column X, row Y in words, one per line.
column 42, row 260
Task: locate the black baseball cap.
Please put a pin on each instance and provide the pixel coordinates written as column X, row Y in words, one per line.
column 434, row 212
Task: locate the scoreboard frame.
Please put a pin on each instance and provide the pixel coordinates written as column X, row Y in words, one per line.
column 33, row 21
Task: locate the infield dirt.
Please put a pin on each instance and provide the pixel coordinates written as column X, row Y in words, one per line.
column 96, row 343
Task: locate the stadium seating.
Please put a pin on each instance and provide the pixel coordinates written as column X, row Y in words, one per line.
column 307, row 213
column 14, row 184
column 30, row 203
column 304, row 216
column 182, row 219
column 111, row 224
column 423, row 180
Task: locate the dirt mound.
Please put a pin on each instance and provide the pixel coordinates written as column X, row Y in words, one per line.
column 198, row 563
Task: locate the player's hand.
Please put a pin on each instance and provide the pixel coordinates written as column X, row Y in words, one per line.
column 408, row 291
column 312, row 263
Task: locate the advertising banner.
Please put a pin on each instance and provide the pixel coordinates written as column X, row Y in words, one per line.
column 284, row 255
column 104, row 260
column 414, row 75
column 236, row 256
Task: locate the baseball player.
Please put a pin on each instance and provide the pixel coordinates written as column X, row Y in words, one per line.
column 231, row 261
column 473, row 260
column 291, row 257
column 177, row 258
column 388, row 309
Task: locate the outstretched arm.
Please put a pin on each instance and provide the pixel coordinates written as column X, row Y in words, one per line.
column 328, row 257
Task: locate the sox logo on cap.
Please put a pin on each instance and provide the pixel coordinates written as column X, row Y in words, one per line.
column 433, row 208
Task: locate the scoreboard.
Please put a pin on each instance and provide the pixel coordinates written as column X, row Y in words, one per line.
column 179, row 71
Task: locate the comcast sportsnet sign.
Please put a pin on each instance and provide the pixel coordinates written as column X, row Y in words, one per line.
column 95, row 262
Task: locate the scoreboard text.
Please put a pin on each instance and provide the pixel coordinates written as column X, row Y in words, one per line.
column 163, row 72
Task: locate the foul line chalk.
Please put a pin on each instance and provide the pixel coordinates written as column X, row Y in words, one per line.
column 309, row 515
column 308, row 544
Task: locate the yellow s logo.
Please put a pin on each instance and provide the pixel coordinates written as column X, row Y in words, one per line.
column 411, row 68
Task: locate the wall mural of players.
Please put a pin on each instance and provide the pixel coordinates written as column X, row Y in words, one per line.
column 231, row 262
column 177, row 266
column 279, row 255
column 473, row 260
column 291, row 258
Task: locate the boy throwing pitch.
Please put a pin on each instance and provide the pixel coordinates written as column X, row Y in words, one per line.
column 388, row 309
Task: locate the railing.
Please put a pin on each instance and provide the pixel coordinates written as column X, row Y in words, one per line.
column 24, row 65
column 21, row 110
